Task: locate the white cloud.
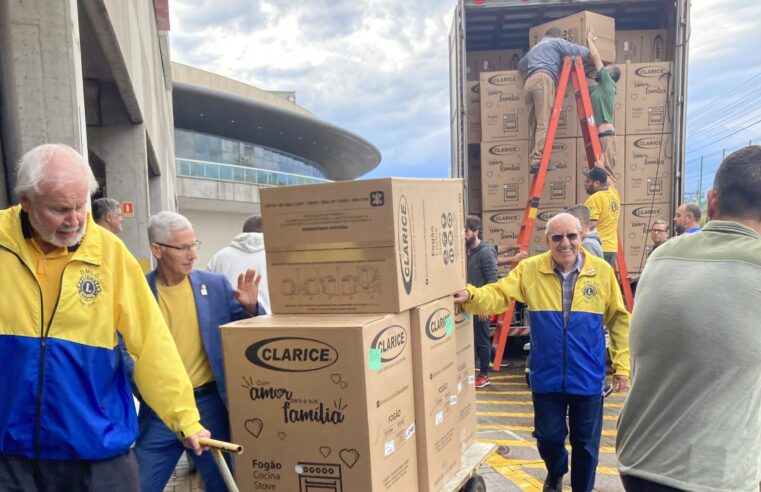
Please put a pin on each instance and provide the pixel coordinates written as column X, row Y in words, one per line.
column 380, row 68
column 377, row 68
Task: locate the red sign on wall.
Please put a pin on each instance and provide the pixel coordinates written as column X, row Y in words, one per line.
column 128, row 209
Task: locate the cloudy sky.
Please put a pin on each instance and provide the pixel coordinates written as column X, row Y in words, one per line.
column 380, row 68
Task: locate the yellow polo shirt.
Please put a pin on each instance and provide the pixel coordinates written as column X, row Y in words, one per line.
column 605, row 207
column 179, row 309
column 48, row 269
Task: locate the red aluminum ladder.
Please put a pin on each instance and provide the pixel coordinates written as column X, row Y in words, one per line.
column 573, row 68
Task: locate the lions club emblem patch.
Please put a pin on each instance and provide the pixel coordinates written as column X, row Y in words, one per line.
column 589, row 291
column 88, row 287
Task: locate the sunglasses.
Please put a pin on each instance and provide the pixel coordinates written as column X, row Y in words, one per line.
column 572, row 236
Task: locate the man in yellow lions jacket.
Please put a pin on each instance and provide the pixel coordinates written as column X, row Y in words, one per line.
column 570, row 295
column 67, row 419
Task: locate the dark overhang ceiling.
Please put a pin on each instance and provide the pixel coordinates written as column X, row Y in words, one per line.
column 342, row 154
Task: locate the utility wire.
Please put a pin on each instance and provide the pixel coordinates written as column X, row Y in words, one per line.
column 704, row 108
column 727, row 136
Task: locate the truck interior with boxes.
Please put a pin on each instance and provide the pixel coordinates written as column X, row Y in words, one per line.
column 647, row 39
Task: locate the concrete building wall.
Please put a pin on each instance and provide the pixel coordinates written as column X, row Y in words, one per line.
column 214, row 230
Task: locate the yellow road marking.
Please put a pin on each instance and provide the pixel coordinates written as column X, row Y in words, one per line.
column 515, row 402
column 509, row 376
column 530, row 415
column 514, row 472
column 529, row 428
column 487, row 392
column 506, row 462
column 516, row 443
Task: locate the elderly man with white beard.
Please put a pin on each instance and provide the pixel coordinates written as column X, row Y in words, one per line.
column 67, row 414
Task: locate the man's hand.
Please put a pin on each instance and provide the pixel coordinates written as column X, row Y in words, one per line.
column 590, row 34
column 520, row 255
column 461, row 296
column 191, row 442
column 248, row 290
column 620, row 383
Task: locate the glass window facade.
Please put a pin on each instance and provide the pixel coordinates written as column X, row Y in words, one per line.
column 208, row 156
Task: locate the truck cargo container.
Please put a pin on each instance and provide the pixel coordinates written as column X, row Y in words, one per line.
column 651, row 38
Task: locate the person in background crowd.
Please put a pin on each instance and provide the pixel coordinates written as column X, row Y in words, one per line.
column 107, row 213
column 245, row 251
column 687, row 219
column 482, row 269
column 604, row 209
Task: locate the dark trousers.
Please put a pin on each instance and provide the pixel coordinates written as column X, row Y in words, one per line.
column 483, row 344
column 585, row 425
column 610, row 258
column 117, row 474
column 636, row 484
column 158, row 449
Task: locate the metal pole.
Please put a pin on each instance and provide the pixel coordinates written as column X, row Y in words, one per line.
column 219, row 460
column 700, row 182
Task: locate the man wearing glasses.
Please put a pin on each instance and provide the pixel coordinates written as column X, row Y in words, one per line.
column 659, row 233
column 570, row 295
column 194, row 304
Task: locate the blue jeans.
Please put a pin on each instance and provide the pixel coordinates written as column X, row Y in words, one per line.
column 158, row 449
column 550, row 431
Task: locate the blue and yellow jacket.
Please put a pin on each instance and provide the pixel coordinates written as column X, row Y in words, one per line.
column 565, row 358
column 64, row 393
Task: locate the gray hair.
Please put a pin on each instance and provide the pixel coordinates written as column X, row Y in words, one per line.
column 581, row 212
column 162, row 224
column 104, row 206
column 30, row 171
column 663, row 222
column 556, row 218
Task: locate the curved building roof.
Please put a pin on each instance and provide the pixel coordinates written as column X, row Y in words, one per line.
column 217, row 105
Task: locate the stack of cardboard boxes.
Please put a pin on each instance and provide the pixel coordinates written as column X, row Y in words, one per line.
column 498, row 145
column 364, row 377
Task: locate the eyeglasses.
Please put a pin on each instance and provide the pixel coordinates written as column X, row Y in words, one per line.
column 659, row 230
column 184, row 249
column 572, row 236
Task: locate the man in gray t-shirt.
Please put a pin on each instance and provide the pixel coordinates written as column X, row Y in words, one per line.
column 692, row 420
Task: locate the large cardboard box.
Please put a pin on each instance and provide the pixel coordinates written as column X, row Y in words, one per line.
column 322, row 402
column 473, row 107
column 504, row 174
column 619, row 172
column 466, row 377
column 560, row 183
column 644, row 46
column 568, row 122
column 619, row 121
column 491, row 61
column 377, row 245
column 474, row 178
column 434, row 364
column 574, row 29
column 637, row 221
column 503, row 107
column 649, row 98
column 501, row 227
column 649, row 169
